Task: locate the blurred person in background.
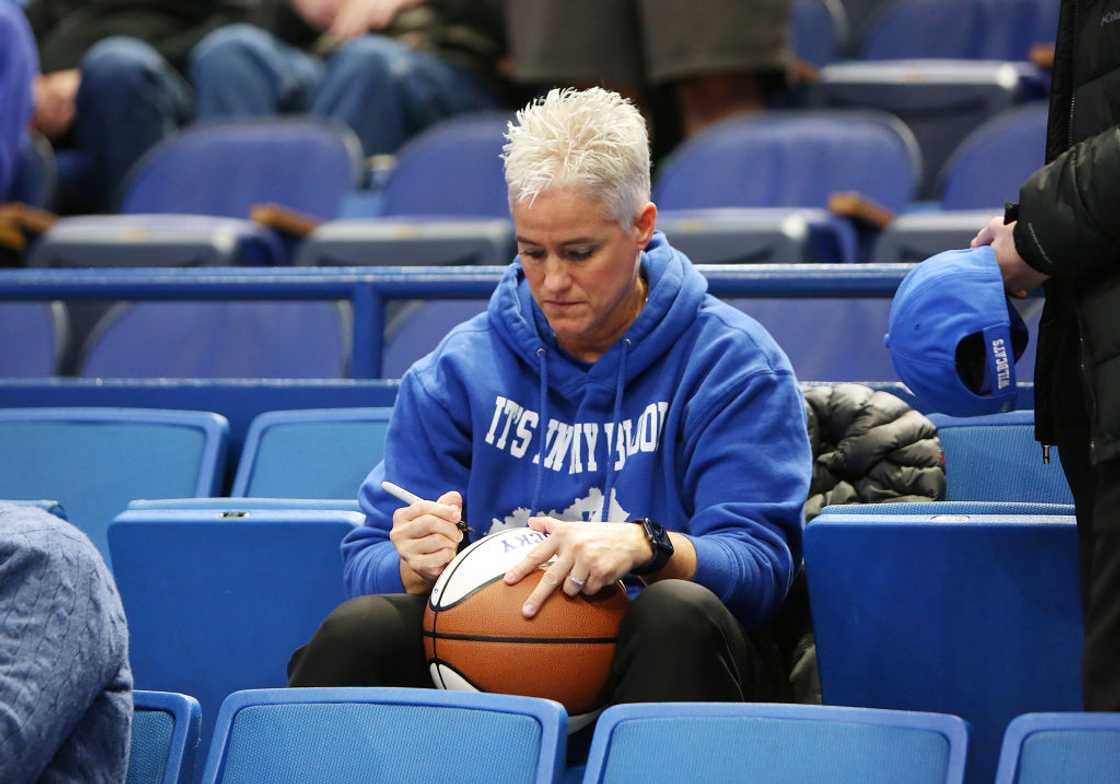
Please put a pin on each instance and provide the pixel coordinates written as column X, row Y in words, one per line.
column 385, row 68
column 689, row 64
column 1063, row 234
column 112, row 81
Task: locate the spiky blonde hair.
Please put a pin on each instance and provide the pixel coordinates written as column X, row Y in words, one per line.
column 591, row 139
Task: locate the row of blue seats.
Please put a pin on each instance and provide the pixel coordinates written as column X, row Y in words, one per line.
column 754, row 188
column 967, row 608
column 274, row 323
column 961, row 29
column 346, row 736
column 242, row 552
column 95, row 460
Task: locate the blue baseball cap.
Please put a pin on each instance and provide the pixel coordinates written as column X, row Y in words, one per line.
column 954, row 337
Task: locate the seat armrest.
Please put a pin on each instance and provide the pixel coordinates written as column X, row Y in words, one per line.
column 852, row 205
column 284, row 220
column 1042, row 55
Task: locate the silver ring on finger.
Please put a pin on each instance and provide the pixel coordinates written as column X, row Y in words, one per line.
column 578, row 583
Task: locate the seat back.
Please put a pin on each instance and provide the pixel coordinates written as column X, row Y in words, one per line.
column 95, row 460
column 792, row 159
column 225, row 169
column 948, row 508
column 1060, row 748
column 36, row 335
column 411, row 736
column 964, row 29
column 996, row 458
column 941, row 101
column 218, row 600
column 452, row 169
column 768, row 744
column 320, row 453
column 220, row 340
column 974, row 615
column 820, row 30
column 417, row 327
column 988, row 167
column 165, row 733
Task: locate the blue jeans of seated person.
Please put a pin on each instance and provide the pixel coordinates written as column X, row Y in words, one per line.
column 130, row 98
column 383, row 90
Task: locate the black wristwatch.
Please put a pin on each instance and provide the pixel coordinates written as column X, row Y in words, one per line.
column 659, row 542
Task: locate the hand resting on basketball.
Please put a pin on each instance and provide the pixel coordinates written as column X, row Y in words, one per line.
column 426, row 537
column 588, row 557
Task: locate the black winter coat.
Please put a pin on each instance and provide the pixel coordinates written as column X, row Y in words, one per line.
column 869, row 447
column 1069, row 227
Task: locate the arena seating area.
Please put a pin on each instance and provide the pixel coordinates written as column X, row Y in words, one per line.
column 201, row 381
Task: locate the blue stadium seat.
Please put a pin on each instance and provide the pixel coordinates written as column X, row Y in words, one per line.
column 1061, row 748
column 995, row 458
column 769, row 744
column 234, row 506
column 36, row 336
column 820, row 30
column 444, row 202
column 218, row 602
column 156, row 241
column 961, row 29
column 95, row 460
column 853, row 350
column 220, row 340
column 760, row 234
column 165, row 734
column 418, row 327
column 949, row 508
column 992, row 162
column 915, row 236
column 405, row 736
column 941, row 101
column 219, row 170
column 792, row 159
column 323, row 453
column 408, row 241
column 452, row 168
column 974, row 615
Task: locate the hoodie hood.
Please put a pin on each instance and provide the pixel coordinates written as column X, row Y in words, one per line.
column 676, row 291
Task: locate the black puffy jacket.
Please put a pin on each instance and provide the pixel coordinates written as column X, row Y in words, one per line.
column 869, row 447
column 1069, row 227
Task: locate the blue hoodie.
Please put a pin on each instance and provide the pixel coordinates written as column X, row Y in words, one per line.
column 713, row 438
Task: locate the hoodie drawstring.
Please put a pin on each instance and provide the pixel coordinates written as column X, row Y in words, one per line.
column 543, row 430
column 612, row 449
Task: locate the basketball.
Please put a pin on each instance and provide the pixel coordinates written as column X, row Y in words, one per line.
column 475, row 637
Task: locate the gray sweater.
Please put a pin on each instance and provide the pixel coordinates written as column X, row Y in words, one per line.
column 65, row 683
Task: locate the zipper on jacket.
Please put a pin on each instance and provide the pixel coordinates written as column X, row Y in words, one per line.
column 1046, row 454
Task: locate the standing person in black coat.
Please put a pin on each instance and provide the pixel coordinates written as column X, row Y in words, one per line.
column 1065, row 234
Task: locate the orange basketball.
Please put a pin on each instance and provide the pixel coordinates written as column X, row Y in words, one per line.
column 475, row 637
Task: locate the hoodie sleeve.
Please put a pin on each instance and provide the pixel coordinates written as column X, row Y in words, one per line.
column 748, row 470
column 426, row 452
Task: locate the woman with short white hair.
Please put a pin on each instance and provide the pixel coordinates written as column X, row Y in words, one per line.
column 654, row 433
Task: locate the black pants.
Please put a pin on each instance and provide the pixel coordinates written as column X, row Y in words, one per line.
column 1096, row 493
column 677, row 643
